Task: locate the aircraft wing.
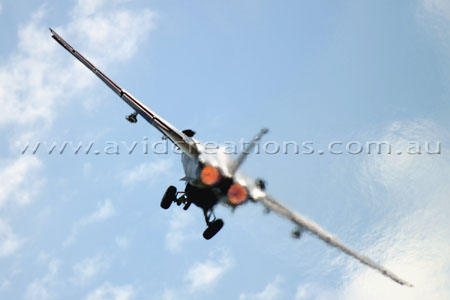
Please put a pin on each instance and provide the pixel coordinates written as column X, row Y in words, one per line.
column 315, row 229
column 185, row 143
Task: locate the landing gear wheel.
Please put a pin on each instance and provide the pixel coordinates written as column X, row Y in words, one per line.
column 213, row 228
column 169, row 196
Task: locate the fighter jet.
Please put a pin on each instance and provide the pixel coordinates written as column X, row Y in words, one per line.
column 214, row 178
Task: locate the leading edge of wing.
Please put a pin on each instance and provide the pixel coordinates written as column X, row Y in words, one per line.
column 315, row 229
column 185, row 143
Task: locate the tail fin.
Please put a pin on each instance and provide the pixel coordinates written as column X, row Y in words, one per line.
column 241, row 158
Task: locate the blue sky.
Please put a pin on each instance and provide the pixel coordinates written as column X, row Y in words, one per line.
column 90, row 226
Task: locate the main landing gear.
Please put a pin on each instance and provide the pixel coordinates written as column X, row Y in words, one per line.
column 171, row 195
column 214, row 224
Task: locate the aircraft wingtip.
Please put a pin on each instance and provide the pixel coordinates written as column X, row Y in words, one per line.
column 405, row 283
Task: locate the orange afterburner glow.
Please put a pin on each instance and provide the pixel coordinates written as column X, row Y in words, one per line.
column 237, row 194
column 210, row 175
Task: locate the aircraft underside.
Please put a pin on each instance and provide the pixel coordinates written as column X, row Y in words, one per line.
column 204, row 198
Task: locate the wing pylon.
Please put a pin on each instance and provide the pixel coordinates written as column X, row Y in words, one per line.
column 186, row 144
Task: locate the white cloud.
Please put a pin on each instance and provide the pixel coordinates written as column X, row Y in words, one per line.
column 18, row 185
column 122, row 242
column 147, row 172
column 414, row 233
column 206, row 274
column 303, row 292
column 309, row 291
column 272, row 291
column 414, row 249
column 169, row 295
column 117, row 29
column 16, row 180
column 88, row 268
column 178, row 233
column 5, row 284
column 110, row 292
column 406, row 172
column 438, row 7
column 42, row 288
column 37, row 80
column 201, row 276
column 40, row 77
column 88, row 7
column 105, row 210
column 435, row 14
column 9, row 242
column 30, row 83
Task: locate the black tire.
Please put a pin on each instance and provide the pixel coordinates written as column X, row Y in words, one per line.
column 169, row 196
column 212, row 229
